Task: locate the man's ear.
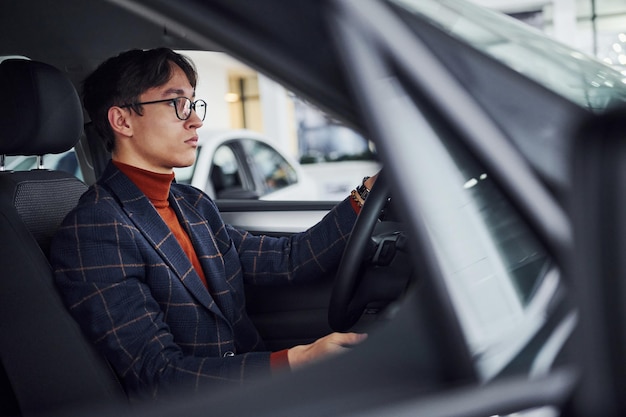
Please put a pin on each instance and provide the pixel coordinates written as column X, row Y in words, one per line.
column 120, row 121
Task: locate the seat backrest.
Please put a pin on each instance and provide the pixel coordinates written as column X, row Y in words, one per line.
column 46, row 363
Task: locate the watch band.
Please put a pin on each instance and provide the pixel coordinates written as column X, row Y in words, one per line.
column 363, row 190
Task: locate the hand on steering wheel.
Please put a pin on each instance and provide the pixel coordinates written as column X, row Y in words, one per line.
column 342, row 311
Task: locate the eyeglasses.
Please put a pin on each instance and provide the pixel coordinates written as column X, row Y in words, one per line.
column 182, row 106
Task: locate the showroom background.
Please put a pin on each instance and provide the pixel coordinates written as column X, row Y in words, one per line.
column 596, row 27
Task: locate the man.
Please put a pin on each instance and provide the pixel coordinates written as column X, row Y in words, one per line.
column 147, row 266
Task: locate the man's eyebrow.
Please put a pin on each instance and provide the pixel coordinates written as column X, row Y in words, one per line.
column 177, row 91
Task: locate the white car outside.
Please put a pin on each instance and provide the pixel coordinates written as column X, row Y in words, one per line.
column 335, row 180
column 245, row 164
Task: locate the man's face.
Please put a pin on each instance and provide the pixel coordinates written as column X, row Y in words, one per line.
column 160, row 141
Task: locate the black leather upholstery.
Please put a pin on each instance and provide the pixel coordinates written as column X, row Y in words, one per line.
column 47, row 362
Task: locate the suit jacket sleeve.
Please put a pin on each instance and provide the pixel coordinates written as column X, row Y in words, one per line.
column 301, row 257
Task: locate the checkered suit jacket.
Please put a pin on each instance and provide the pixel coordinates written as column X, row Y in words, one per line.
column 135, row 294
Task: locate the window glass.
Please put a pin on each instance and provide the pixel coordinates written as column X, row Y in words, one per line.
column 185, row 174
column 21, row 163
column 325, row 160
column 244, row 100
column 225, row 171
column 322, row 139
column 556, row 66
column 65, row 161
column 274, row 170
column 609, row 7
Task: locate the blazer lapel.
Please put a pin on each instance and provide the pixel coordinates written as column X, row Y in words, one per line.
column 157, row 233
column 208, row 252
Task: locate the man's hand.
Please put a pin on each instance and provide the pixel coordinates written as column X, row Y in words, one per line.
column 327, row 346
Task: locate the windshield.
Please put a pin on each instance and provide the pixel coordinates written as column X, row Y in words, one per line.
column 568, row 72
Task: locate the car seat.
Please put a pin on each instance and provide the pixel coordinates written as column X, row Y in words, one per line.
column 46, row 364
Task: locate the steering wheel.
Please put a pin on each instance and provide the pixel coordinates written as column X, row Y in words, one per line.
column 343, row 313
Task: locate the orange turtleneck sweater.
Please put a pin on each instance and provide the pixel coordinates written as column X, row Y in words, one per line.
column 157, row 188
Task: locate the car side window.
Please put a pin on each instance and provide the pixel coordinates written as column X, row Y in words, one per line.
column 274, row 170
column 65, row 161
column 21, row 163
column 225, row 171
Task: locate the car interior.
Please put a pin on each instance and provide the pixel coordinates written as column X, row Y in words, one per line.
column 34, row 203
column 437, row 344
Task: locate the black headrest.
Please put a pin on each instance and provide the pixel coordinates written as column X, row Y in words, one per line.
column 40, row 111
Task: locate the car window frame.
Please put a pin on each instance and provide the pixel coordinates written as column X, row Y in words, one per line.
column 240, row 170
column 249, row 180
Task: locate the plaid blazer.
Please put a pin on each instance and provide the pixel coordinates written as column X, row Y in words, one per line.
column 136, row 295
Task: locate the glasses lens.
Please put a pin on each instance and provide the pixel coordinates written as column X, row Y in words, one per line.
column 200, row 108
column 185, row 105
column 183, row 108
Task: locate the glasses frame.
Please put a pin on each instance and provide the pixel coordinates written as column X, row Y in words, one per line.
column 192, row 105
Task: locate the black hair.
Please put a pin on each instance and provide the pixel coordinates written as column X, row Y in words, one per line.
column 122, row 79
